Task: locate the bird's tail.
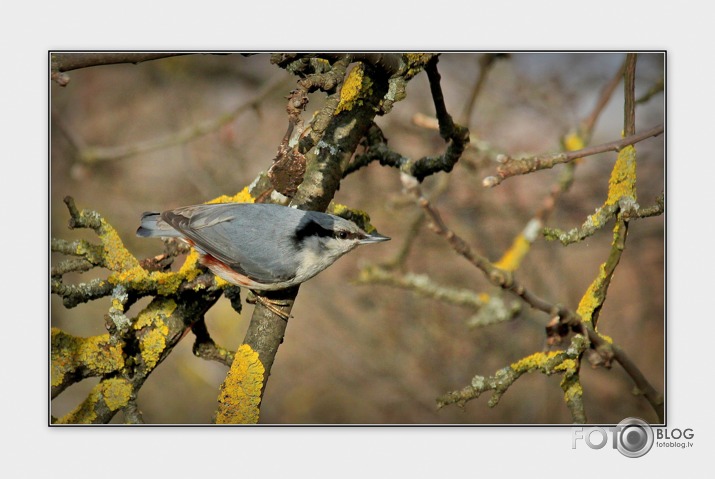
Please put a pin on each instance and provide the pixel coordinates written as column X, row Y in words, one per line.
column 152, row 226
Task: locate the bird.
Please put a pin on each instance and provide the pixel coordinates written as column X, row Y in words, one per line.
column 259, row 246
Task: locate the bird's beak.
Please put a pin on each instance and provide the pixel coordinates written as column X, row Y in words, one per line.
column 373, row 238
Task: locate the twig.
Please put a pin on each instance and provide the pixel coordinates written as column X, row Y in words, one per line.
column 205, row 347
column 629, row 86
column 132, row 414
column 64, row 62
column 324, row 116
column 488, row 309
column 512, row 167
column 592, row 224
column 288, row 169
column 590, row 122
column 340, row 136
column 653, row 397
column 486, row 62
column 456, row 135
column 505, row 280
column 564, row 182
column 654, row 210
column 546, row 363
column 390, row 63
column 657, row 87
column 421, row 284
column 496, row 276
column 73, row 295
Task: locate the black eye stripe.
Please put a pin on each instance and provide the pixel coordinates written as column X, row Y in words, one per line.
column 311, row 228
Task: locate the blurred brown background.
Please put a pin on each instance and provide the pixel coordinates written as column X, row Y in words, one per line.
column 369, row 354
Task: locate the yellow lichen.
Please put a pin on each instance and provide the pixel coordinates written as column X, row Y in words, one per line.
column 622, row 182
column 117, row 304
column 189, row 269
column 356, row 87
column 568, row 365
column 534, row 361
column 590, row 300
column 95, row 355
column 618, row 232
column 243, row 196
column 573, row 390
column 116, row 255
column 415, row 63
column 113, row 393
column 152, row 344
column 155, row 313
column 116, row 393
column 511, row 259
column 127, row 270
column 359, row 217
column 152, row 337
column 338, row 208
column 573, row 141
column 85, row 412
column 165, row 283
column 240, row 394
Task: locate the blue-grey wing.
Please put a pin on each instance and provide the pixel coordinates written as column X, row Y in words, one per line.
column 250, row 238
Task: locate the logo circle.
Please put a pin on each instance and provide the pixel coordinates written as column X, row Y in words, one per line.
column 635, row 437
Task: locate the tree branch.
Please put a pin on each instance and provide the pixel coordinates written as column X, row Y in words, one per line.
column 455, row 135
column 64, row 62
column 133, row 347
column 486, row 62
column 568, row 319
column 512, row 167
column 347, row 117
column 629, row 86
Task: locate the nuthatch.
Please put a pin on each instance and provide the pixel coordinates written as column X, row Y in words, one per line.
column 259, row 246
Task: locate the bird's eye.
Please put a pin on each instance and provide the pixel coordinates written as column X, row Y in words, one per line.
column 342, row 235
